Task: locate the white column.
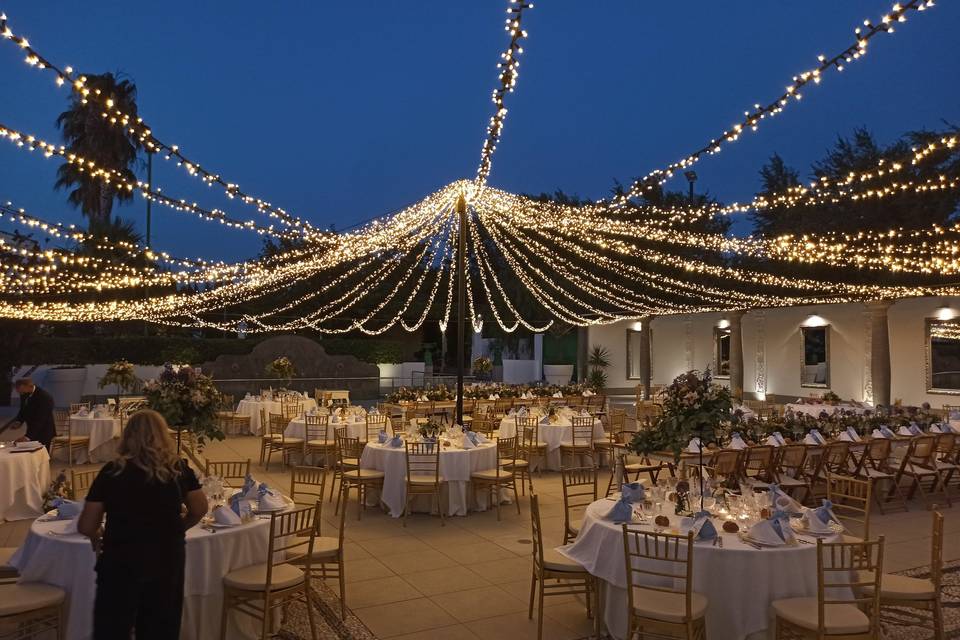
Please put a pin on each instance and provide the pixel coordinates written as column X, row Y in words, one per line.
column 879, row 351
column 538, row 356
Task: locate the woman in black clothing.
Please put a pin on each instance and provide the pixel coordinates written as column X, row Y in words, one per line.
column 150, row 498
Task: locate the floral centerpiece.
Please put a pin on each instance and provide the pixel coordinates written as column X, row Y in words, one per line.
column 121, row 374
column 281, row 368
column 429, row 429
column 482, row 367
column 831, row 398
column 693, row 407
column 187, row 399
column 59, row 490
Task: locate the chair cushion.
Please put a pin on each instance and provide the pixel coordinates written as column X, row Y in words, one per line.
column 492, row 474
column 514, row 464
column 421, row 479
column 350, row 462
column 323, row 547
column 894, row 587
column 553, row 560
column 321, row 444
column 362, row 474
column 254, row 577
column 667, row 606
column 838, row 618
column 286, row 441
column 873, row 473
column 28, row 596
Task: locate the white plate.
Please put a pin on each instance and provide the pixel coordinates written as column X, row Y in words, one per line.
column 218, row 525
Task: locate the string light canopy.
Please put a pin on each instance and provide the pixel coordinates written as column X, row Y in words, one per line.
column 529, row 263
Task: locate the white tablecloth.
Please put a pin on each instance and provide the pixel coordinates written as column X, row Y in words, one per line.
column 24, row 477
column 739, row 581
column 355, row 429
column 816, row 409
column 456, row 465
column 553, row 435
column 68, row 561
column 252, row 408
column 104, row 434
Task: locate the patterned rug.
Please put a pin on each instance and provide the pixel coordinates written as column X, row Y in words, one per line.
column 951, row 606
column 327, row 617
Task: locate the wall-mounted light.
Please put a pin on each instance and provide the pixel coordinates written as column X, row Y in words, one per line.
column 814, row 321
column 945, row 313
column 723, row 324
column 636, row 326
column 761, row 396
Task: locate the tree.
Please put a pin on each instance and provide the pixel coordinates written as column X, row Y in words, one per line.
column 88, row 134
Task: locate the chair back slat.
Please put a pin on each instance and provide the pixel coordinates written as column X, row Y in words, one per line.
column 80, row 482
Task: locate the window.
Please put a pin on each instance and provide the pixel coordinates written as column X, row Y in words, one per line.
column 943, row 356
column 815, row 354
column 633, row 354
column 721, row 352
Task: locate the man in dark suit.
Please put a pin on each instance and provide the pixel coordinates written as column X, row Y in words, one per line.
column 36, row 410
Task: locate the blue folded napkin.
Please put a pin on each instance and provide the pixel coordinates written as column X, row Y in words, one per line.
column 853, row 434
column 235, row 502
column 396, row 441
column 249, row 485
column 633, row 492
column 473, row 437
column 825, row 512
column 779, row 500
column 703, row 528
column 914, row 429
column 780, row 521
column 382, row 437
column 622, row 511
column 818, row 436
column 887, row 433
column 67, row 509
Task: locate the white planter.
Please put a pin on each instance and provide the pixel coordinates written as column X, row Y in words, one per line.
column 65, row 385
column 557, row 373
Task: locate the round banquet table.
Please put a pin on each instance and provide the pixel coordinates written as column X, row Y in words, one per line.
column 738, row 580
column 251, row 407
column 815, row 409
column 356, row 428
column 67, row 561
column 456, row 465
column 104, row 434
column 555, row 434
column 24, row 477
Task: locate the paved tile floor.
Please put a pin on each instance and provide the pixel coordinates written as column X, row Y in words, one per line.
column 471, row 578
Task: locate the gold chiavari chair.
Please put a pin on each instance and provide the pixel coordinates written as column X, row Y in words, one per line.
column 349, row 451
column 493, row 480
column 534, row 449
column 233, row 472
column 847, row 604
column 65, row 439
column 918, row 465
column 31, row 610
column 581, row 433
column 318, row 440
column 617, row 421
column 80, row 482
column 266, row 438
column 674, row 611
column 309, row 482
column 423, row 475
column 501, row 407
column 851, row 504
column 290, row 409
column 232, row 423
column 280, row 442
column 327, row 557
column 917, row 594
column 77, row 406
column 260, row 589
column 579, row 491
column 375, row 424
column 557, row 575
column 483, row 423
column 875, row 466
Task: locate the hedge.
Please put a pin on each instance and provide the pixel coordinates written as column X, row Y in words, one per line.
column 156, row 350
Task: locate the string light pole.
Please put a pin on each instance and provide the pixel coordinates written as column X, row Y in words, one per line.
column 461, row 210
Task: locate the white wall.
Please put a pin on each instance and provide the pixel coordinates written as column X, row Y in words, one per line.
column 671, row 348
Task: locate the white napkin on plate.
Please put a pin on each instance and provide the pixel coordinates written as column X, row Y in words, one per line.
column 764, row 533
column 467, row 443
column 270, row 500
column 814, row 524
column 694, row 446
column 557, row 395
column 904, row 431
column 736, row 442
column 809, row 439
column 226, row 516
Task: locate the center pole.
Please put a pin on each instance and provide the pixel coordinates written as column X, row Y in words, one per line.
column 461, row 295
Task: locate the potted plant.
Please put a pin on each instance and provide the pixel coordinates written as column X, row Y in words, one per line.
column 598, row 362
column 482, row 368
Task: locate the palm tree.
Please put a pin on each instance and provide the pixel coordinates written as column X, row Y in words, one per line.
column 89, row 134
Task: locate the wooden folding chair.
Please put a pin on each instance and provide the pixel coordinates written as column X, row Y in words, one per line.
column 875, row 466
column 847, row 604
column 660, row 598
column 260, row 589
column 757, row 465
column 80, row 482
column 788, row 467
column 556, row 575
column 918, row 465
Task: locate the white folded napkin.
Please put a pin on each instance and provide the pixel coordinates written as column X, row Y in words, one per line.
column 467, row 443
column 736, row 442
column 854, row 436
column 844, row 436
column 772, row 441
column 226, row 516
column 764, row 533
column 557, row 395
column 904, row 431
column 27, row 444
column 270, row 500
column 809, row 439
column 814, row 524
column 694, row 446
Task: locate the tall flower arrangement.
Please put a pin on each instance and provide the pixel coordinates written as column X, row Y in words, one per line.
column 121, row 374
column 693, row 407
column 187, row 399
column 281, row 368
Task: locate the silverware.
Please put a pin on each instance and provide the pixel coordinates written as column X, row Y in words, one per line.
column 720, row 540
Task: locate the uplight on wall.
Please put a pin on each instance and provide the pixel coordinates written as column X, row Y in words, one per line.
column 945, row 313
column 723, row 324
column 636, row 326
column 814, row 321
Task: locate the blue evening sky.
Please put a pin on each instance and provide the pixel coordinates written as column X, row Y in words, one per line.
column 344, row 111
